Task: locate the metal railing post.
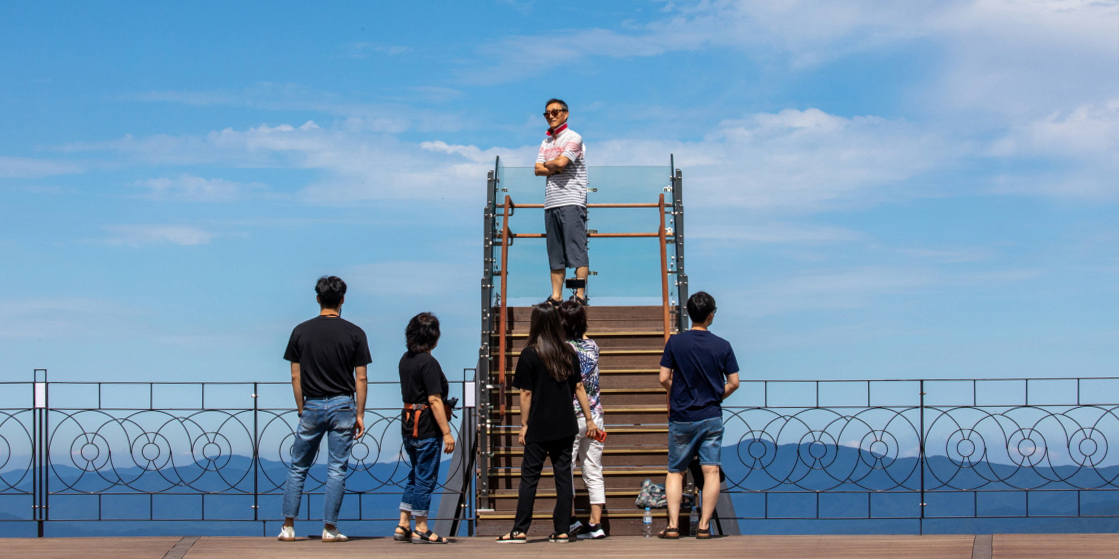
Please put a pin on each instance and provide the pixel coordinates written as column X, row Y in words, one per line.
column 40, row 486
column 678, row 237
column 256, row 454
column 921, row 460
column 482, row 377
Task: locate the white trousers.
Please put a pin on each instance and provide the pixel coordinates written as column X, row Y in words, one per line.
column 589, row 452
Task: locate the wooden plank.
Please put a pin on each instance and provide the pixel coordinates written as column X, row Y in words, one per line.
column 1048, row 546
column 1018, row 546
column 89, row 548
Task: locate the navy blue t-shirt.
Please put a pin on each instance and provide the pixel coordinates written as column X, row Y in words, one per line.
column 700, row 362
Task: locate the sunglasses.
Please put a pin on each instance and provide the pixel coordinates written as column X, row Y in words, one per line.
column 554, row 113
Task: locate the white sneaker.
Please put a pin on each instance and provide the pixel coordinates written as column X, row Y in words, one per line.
column 332, row 536
column 593, row 532
column 287, row 534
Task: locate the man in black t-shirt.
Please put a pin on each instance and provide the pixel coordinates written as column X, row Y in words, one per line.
column 326, row 355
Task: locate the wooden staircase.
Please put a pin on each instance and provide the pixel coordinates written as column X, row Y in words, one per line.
column 631, row 340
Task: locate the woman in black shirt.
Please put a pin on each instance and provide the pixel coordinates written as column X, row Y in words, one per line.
column 423, row 387
column 548, row 377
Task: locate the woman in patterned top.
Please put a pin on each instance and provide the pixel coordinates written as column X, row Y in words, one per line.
column 588, row 450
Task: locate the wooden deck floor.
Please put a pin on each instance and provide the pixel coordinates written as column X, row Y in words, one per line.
column 1016, row 546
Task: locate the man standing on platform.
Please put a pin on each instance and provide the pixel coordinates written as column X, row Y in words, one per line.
column 325, row 353
column 699, row 371
column 565, row 200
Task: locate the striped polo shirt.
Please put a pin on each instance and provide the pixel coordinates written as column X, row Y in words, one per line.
column 568, row 188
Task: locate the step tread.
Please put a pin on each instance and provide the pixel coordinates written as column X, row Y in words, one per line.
column 606, row 471
column 659, row 449
column 611, row 352
column 615, row 430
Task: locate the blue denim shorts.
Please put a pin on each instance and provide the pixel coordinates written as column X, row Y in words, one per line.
column 687, row 439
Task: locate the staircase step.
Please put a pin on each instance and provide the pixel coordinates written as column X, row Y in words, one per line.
column 616, row 522
column 632, row 359
column 637, row 456
column 616, row 477
column 621, row 436
column 643, row 396
column 506, row 500
column 514, row 345
column 616, row 415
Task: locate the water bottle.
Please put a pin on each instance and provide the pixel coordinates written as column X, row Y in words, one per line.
column 693, row 522
column 647, row 524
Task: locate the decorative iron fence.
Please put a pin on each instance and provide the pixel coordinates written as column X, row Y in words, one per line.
column 198, row 451
column 923, row 450
column 908, row 450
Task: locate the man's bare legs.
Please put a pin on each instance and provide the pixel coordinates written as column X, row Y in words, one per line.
column 674, row 489
column 405, row 522
column 557, row 282
column 711, row 488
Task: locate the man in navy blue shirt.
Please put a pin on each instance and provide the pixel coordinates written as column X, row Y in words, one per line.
column 699, row 371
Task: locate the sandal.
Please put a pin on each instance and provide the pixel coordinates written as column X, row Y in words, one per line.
column 426, row 537
column 515, row 536
column 580, row 300
column 405, row 537
column 559, row 538
column 703, row 533
column 669, row 533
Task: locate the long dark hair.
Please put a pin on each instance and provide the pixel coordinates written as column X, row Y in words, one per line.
column 546, row 335
column 574, row 319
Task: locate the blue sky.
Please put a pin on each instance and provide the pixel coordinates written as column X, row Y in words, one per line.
column 874, row 189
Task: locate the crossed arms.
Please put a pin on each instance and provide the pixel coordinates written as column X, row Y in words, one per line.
column 553, row 167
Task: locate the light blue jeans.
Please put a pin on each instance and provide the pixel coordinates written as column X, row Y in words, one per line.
column 424, row 456
column 334, row 417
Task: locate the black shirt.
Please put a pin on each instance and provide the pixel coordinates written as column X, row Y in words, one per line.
column 327, row 350
column 550, row 416
column 420, row 377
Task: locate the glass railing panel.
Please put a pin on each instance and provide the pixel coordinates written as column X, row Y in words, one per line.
column 626, row 270
column 628, row 185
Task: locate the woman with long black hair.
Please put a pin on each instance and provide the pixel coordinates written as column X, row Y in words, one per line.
column 548, row 376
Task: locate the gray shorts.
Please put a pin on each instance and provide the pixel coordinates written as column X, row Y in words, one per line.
column 566, row 228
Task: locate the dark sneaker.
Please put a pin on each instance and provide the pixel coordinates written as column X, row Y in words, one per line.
column 592, row 532
column 575, row 527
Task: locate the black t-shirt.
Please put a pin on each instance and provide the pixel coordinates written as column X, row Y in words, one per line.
column 327, row 350
column 420, row 377
column 551, row 416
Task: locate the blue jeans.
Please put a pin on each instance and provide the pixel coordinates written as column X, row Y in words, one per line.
column 686, row 439
column 424, row 456
column 334, row 417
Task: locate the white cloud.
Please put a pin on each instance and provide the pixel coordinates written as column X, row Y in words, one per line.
column 426, row 280
column 197, row 189
column 772, row 232
column 857, row 287
column 798, row 160
column 22, row 167
column 64, row 318
column 139, row 235
column 386, row 117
